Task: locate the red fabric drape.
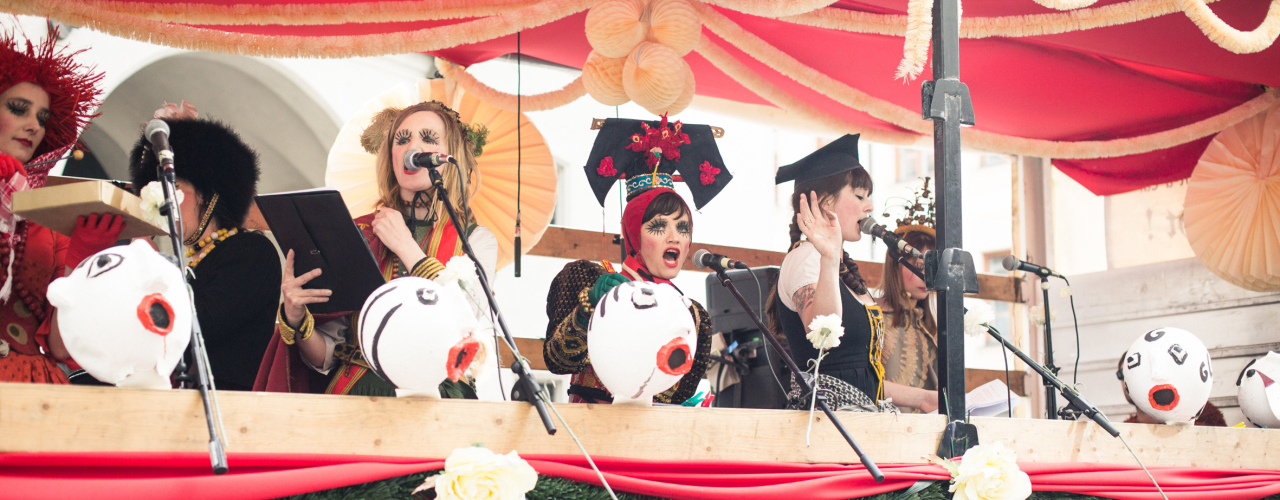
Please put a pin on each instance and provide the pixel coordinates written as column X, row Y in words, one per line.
column 187, row 476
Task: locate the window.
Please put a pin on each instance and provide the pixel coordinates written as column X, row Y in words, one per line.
column 914, row 164
column 1003, row 316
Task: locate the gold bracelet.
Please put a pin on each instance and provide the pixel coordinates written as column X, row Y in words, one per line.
column 428, row 267
column 289, row 334
column 585, row 307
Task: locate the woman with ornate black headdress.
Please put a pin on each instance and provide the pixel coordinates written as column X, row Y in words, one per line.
column 46, row 98
column 657, row 229
column 410, row 234
column 234, row 271
column 818, row 279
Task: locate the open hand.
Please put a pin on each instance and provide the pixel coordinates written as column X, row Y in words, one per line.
column 820, row 226
column 296, row 297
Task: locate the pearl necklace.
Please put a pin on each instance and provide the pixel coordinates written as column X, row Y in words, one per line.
column 201, row 249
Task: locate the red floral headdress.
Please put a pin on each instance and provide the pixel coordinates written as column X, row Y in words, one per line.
column 72, row 88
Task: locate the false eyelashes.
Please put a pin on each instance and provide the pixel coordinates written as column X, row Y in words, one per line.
column 657, row 226
column 402, row 137
column 429, row 136
column 684, row 227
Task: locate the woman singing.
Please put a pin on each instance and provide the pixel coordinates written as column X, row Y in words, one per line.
column 832, row 194
column 410, row 234
column 911, row 333
column 658, row 229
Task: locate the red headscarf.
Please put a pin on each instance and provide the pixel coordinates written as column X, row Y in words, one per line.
column 632, row 219
column 72, row 88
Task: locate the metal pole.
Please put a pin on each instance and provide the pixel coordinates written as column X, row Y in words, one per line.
column 1050, row 397
column 946, row 102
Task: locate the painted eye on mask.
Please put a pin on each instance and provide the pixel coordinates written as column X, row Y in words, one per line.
column 1133, row 360
column 1178, row 354
column 102, row 263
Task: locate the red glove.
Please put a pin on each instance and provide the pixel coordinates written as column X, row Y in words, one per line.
column 93, row 234
column 9, row 165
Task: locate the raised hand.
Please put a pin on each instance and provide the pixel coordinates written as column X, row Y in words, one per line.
column 820, row 226
column 388, row 225
column 296, row 297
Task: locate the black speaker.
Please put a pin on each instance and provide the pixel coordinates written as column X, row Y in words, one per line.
column 763, row 374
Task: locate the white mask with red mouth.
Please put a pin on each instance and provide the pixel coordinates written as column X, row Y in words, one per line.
column 1168, row 375
column 125, row 316
column 415, row 333
column 642, row 340
column 1259, row 393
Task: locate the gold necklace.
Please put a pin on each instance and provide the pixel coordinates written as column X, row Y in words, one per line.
column 204, row 222
column 201, row 250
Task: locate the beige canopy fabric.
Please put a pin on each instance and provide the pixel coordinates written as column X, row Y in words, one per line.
column 1232, row 209
column 351, row 168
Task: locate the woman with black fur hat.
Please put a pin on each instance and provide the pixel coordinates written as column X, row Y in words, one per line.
column 235, row 271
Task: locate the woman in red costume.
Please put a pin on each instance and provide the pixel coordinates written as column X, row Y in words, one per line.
column 46, row 98
column 658, row 229
column 410, row 234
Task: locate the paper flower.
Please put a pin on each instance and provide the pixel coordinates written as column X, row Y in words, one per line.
column 152, row 198
column 825, row 332
column 476, row 473
column 708, row 173
column 1036, row 313
column 977, row 316
column 606, row 167
column 987, row 472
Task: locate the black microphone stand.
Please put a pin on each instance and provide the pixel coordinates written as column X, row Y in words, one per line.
column 1049, row 373
column 1050, row 398
column 204, row 379
column 1075, row 400
column 526, row 387
column 799, row 374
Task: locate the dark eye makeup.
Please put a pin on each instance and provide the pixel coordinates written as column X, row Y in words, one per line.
column 429, row 136
column 656, row 226
column 683, row 227
column 402, row 137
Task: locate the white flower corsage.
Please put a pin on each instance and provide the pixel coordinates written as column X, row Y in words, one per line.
column 476, row 473
column 824, row 332
column 977, row 316
column 987, row 472
column 152, row 199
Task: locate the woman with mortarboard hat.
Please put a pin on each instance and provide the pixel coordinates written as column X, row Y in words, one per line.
column 46, row 99
column 657, row 228
column 235, row 271
column 832, row 194
column 410, row 234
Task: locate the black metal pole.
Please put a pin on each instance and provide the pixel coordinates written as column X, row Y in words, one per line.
column 795, row 369
column 1050, row 397
column 526, row 384
column 946, row 102
column 204, row 379
column 1050, row 380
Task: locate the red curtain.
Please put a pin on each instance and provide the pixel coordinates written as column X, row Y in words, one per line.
column 187, row 476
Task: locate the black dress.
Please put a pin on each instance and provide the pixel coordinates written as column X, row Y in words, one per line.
column 237, row 290
column 856, row 359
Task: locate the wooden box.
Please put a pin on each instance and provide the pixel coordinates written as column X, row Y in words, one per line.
column 56, row 207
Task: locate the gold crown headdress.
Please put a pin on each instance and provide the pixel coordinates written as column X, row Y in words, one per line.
column 918, row 215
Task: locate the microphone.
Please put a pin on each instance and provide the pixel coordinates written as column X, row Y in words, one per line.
column 1012, row 263
column 869, row 226
column 703, row 259
column 157, row 133
column 415, row 160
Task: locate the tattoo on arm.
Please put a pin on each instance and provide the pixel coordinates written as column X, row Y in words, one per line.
column 804, row 296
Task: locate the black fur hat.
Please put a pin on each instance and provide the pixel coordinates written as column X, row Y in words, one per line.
column 210, row 156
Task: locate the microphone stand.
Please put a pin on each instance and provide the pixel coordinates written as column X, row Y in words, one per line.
column 1075, row 400
column 526, row 388
column 1049, row 373
column 1050, row 398
column 799, row 374
column 204, row 378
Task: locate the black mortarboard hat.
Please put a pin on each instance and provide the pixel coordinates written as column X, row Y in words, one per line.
column 624, row 150
column 840, row 156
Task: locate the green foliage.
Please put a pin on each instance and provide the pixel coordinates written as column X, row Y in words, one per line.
column 396, row 488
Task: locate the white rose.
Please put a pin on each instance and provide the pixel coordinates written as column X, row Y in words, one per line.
column 990, row 472
column 462, row 271
column 825, row 332
column 477, row 473
column 978, row 315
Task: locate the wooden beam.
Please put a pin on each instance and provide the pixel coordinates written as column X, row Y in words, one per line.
column 590, row 245
column 79, row 419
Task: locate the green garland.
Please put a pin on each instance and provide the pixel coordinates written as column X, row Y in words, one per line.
column 557, row 488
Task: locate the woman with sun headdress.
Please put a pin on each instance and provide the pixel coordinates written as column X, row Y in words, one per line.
column 911, row 332
column 657, row 227
column 46, row 98
column 410, row 234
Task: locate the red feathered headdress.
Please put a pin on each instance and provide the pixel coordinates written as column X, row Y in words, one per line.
column 72, row 88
